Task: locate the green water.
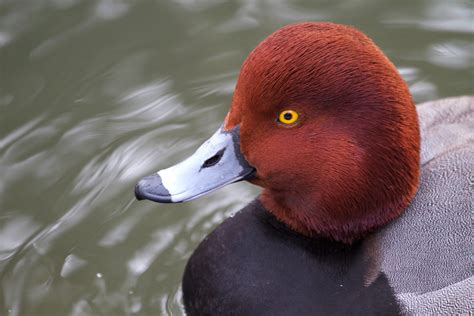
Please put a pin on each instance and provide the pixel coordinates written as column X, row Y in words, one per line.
column 96, row 94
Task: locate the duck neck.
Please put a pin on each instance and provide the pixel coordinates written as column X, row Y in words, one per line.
column 344, row 221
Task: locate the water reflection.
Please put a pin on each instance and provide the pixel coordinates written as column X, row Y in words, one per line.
column 72, row 263
column 454, row 16
column 453, row 54
column 420, row 87
column 438, row 15
column 96, row 94
column 14, row 233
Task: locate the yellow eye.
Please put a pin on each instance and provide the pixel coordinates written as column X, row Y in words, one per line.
column 288, row 117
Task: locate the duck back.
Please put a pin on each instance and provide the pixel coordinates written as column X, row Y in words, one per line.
column 427, row 253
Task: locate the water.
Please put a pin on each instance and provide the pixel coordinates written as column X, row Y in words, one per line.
column 96, row 94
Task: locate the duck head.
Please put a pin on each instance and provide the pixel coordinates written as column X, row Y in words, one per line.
column 323, row 122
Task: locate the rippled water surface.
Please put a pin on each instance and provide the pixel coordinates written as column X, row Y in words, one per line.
column 96, row 94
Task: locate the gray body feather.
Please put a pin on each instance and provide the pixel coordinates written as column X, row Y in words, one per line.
column 427, row 252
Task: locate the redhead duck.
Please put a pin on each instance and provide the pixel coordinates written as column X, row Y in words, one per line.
column 354, row 217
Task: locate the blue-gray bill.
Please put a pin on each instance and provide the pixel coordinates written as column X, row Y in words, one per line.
column 218, row 162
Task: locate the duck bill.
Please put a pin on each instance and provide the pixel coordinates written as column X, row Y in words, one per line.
column 218, row 162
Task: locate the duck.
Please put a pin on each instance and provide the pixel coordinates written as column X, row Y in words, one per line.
column 366, row 198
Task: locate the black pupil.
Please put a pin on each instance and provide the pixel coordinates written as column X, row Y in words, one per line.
column 288, row 116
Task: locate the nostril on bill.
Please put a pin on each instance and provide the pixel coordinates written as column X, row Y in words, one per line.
column 214, row 159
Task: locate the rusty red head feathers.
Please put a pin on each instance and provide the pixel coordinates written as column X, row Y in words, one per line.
column 350, row 163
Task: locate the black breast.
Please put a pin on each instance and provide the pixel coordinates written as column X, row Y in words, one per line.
column 253, row 265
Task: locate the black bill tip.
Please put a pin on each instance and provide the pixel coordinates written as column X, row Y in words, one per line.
column 152, row 188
